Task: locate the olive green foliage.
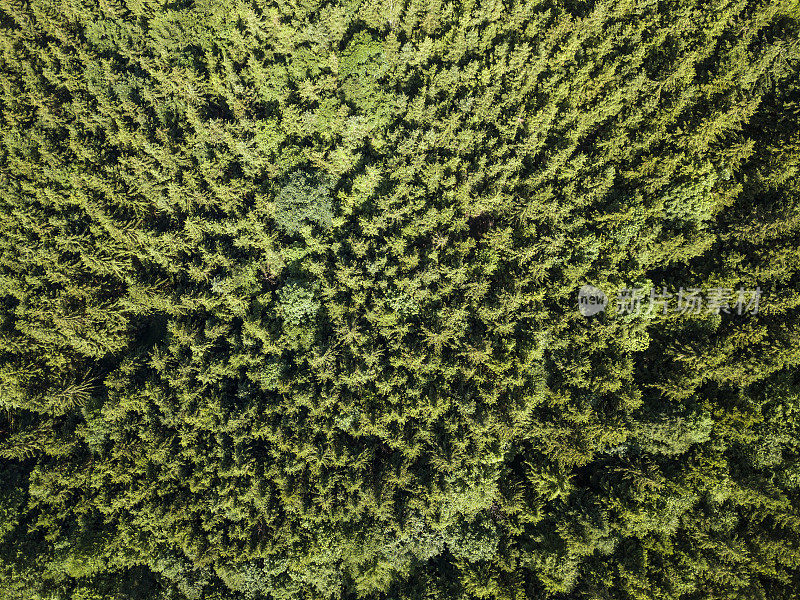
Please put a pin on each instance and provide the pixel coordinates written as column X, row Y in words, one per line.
column 303, row 201
column 288, row 299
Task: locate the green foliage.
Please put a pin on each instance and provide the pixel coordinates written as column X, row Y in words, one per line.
column 297, row 304
column 301, row 201
column 287, row 300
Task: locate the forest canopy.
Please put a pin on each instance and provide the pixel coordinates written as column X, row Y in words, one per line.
column 399, row 299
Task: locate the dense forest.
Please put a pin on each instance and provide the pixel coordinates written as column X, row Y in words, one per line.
column 291, row 299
